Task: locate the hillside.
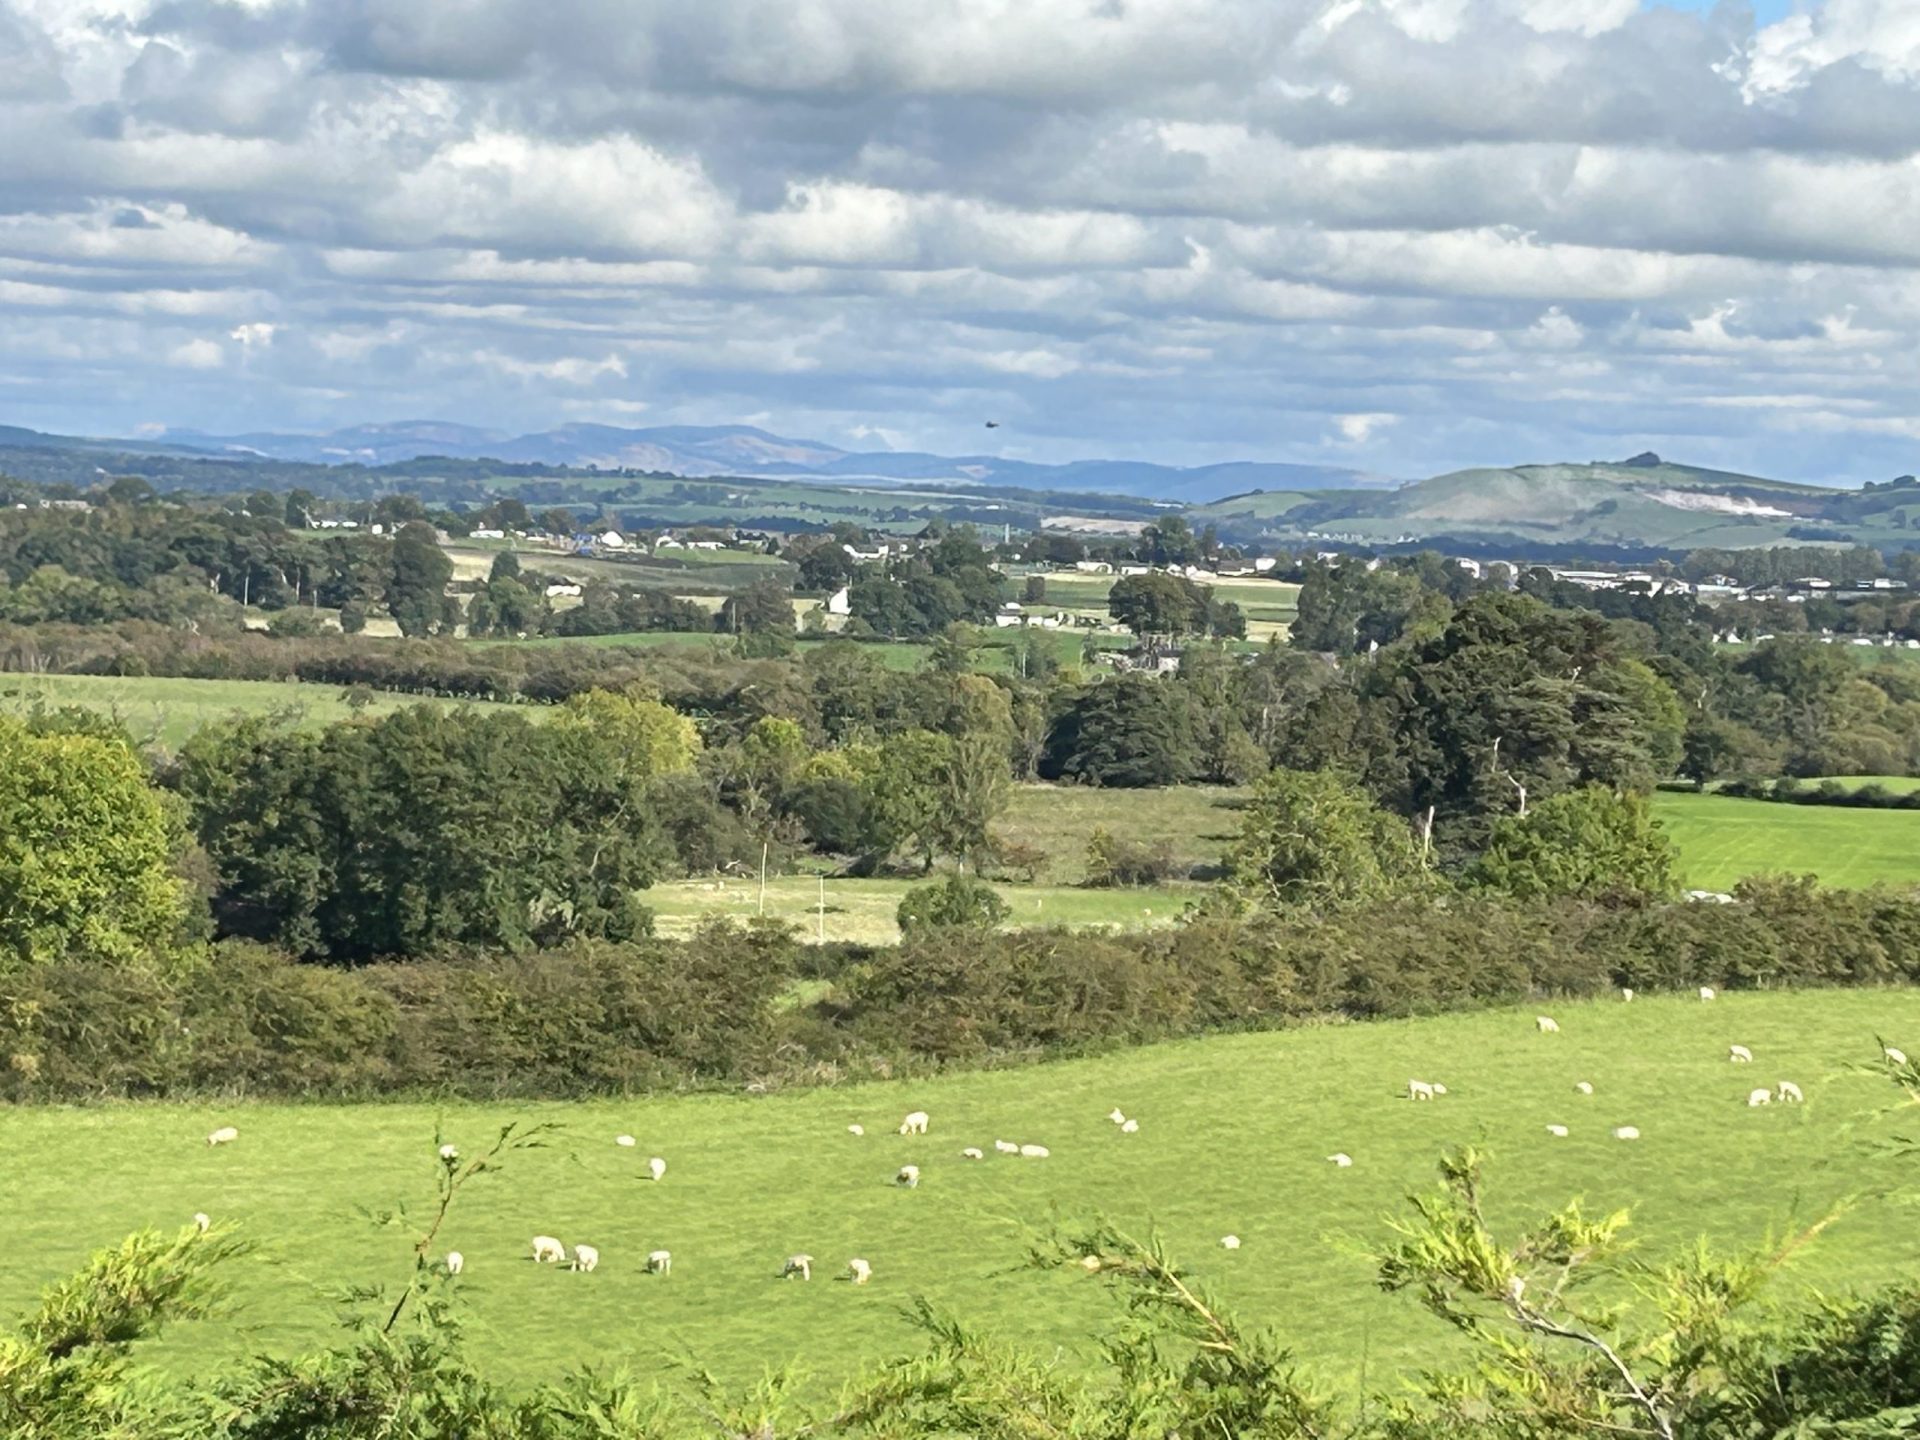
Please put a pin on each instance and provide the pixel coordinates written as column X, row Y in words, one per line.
column 1641, row 504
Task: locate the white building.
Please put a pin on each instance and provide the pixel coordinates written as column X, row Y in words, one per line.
column 840, row 602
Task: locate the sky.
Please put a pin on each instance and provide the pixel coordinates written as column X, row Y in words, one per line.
column 1397, row 235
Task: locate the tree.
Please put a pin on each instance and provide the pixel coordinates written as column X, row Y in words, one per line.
column 419, row 579
column 956, row 902
column 1313, row 838
column 558, row 522
column 1158, row 605
column 1034, row 592
column 1131, row 731
column 651, row 738
column 974, row 786
column 506, row 566
column 763, row 608
column 86, row 852
column 1590, row 843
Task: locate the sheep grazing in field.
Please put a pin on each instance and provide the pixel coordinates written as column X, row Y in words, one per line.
column 1895, row 1057
column 547, row 1250
column 1035, row 1152
column 656, row 1167
column 586, row 1259
column 449, row 1153
column 1117, row 1115
column 1625, row 1132
column 1090, row 1263
column 1788, row 1093
column 202, row 1221
column 1559, row 1132
column 1739, row 1054
column 1229, row 1242
column 1419, row 1090
column 915, row 1123
column 1132, row 1127
column 456, row 1262
column 225, row 1135
column 801, row 1265
column 1707, row 992
column 625, row 1142
column 1341, row 1161
column 859, row 1271
column 1006, row 1147
column 909, row 1176
column 973, row 1152
column 856, row 1130
column 1626, row 993
column 1438, row 1088
column 660, row 1262
column 1585, row 1087
column 1761, row 1096
column 1546, row 1024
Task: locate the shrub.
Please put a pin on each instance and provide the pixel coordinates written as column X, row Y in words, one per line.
column 957, row 902
column 1112, row 861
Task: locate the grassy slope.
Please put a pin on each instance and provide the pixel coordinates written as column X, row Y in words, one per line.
column 1196, row 822
column 1721, row 840
column 1234, row 1131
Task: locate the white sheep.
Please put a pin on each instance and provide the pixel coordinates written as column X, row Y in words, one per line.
column 801, row 1265
column 856, row 1129
column 1739, row 1054
column 909, row 1176
column 1559, row 1132
column 1090, row 1263
column 973, row 1152
column 1788, row 1093
column 1229, row 1242
column 585, row 1259
column 660, row 1262
column 1132, row 1127
column 1546, row 1024
column 1626, row 993
column 547, row 1250
column 1585, row 1087
column 656, row 1167
column 1761, row 1096
column 1419, row 1090
column 225, row 1135
column 449, row 1153
column 1342, row 1160
column 1625, row 1132
column 625, row 1142
column 1707, row 992
column 1438, row 1088
column 1035, row 1152
column 859, row 1271
column 1117, row 1115
column 915, row 1123
column 202, row 1221
column 456, row 1262
column 1006, row 1147
column 1896, row 1057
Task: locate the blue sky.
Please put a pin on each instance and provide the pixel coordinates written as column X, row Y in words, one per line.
column 1397, row 235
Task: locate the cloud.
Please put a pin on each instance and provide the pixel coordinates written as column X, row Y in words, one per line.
column 1447, row 231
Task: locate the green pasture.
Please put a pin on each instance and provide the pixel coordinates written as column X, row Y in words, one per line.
column 1196, row 823
column 164, row 711
column 1233, row 1137
column 1721, row 840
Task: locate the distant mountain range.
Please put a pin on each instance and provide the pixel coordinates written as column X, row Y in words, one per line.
column 741, row 450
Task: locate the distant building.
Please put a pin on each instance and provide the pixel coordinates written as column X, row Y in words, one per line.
column 486, row 534
column 612, row 539
column 563, row 588
column 840, row 602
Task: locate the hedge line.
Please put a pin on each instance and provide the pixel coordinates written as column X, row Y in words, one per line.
column 1790, row 791
column 718, row 1009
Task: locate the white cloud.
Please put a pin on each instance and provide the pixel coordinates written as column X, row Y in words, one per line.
column 197, row 355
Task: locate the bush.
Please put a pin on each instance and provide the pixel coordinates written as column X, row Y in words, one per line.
column 957, row 902
column 1112, row 861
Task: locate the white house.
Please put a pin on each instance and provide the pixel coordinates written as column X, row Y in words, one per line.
column 1093, row 567
column 486, row 534
column 840, row 602
column 1264, row 564
column 612, row 539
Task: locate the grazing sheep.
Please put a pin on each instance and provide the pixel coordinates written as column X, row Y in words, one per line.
column 456, row 1262
column 1229, row 1242
column 625, row 1142
column 1897, row 1057
column 1739, row 1054
column 656, row 1167
column 1788, row 1093
column 1559, row 1132
column 973, row 1152
column 449, row 1153
column 1419, row 1090
column 225, row 1135
column 1132, row 1127
column 547, row 1250
column 909, row 1176
column 859, row 1271
column 1585, row 1087
column 1438, row 1088
column 1341, row 1160
column 1625, row 1132
column 585, row 1259
column 1762, row 1096
column 1089, row 1263
column 202, row 1221
column 1626, row 993
column 1035, row 1152
column 1707, row 992
column 801, row 1265
column 1117, row 1115
column 1006, row 1147
column 660, row 1262
column 1546, row 1024
column 915, row 1123
column 856, row 1129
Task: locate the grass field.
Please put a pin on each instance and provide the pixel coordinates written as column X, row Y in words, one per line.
column 1234, row 1131
column 164, row 711
column 1197, row 823
column 1722, row 840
